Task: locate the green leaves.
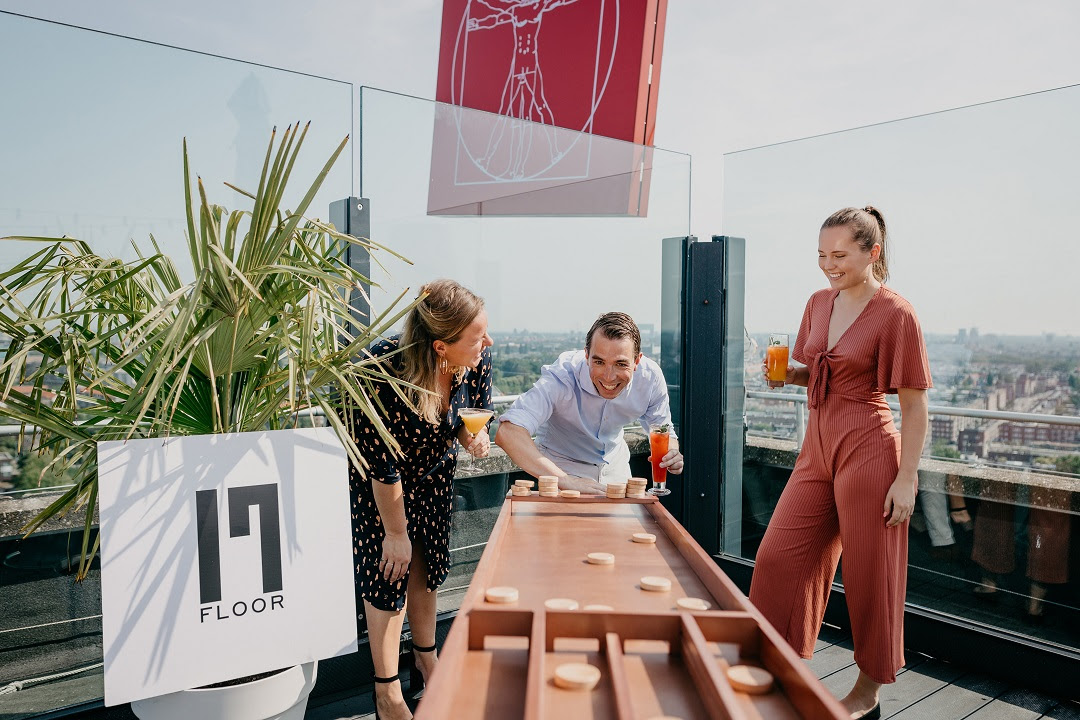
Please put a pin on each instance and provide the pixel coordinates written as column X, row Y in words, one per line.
column 102, row 349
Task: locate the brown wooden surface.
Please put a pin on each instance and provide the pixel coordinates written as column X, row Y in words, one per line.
column 499, row 660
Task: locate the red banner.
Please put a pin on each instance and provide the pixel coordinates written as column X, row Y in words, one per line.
column 549, row 76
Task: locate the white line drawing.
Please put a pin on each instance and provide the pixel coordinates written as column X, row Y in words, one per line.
column 522, row 142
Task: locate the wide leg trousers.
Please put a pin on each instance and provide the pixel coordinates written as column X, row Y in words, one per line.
column 833, row 505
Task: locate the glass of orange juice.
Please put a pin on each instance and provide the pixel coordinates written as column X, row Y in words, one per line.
column 776, row 360
column 659, row 444
column 475, row 418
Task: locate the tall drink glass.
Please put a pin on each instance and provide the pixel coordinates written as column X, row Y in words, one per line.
column 659, row 444
column 776, row 360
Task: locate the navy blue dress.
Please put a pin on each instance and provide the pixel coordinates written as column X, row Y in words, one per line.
column 425, row 469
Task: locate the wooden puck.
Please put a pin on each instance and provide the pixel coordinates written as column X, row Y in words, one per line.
column 608, row 608
column 601, row 558
column 655, row 584
column 690, row 603
column 524, row 483
column 750, row 679
column 577, row 676
column 644, row 538
column 561, row 604
column 548, row 478
column 569, row 493
column 501, row 595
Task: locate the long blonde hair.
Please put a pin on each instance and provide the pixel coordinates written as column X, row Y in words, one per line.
column 446, row 311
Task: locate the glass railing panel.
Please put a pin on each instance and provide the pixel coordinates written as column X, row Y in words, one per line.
column 92, row 129
column 976, row 201
column 549, row 250
column 551, row 227
column 93, row 132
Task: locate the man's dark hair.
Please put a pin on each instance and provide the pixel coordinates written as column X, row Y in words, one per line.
column 615, row 326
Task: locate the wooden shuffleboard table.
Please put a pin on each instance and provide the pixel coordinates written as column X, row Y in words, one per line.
column 655, row 659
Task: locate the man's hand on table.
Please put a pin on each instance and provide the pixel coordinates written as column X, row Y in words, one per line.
column 582, row 485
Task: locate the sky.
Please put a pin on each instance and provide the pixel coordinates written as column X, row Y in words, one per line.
column 734, row 76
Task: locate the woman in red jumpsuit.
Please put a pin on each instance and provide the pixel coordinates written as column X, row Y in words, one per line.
column 854, row 483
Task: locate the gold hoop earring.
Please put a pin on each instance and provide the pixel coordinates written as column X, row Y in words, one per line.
column 444, row 367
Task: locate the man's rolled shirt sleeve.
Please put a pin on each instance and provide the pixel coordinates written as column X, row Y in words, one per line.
column 659, row 411
column 533, row 409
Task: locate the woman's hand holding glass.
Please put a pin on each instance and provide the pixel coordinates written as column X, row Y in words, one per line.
column 476, row 445
column 473, row 434
column 789, row 376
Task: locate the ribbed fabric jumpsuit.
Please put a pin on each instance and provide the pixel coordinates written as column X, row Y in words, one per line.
column 835, row 497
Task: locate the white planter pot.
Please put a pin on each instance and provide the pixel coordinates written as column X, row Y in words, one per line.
column 279, row 697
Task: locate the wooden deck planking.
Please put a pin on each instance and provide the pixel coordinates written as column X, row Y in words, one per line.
column 964, row 696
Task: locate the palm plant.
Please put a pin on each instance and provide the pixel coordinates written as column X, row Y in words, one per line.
column 103, row 350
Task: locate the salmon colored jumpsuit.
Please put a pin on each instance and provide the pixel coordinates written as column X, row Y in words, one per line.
column 835, row 497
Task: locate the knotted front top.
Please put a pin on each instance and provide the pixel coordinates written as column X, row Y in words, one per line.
column 881, row 351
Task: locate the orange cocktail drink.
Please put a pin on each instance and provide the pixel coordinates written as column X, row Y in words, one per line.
column 776, row 360
column 475, row 418
column 659, row 444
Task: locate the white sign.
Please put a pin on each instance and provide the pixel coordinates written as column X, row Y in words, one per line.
column 222, row 556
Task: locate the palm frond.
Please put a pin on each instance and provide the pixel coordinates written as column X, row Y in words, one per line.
column 103, row 349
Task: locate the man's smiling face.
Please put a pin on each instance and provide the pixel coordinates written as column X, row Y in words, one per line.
column 611, row 364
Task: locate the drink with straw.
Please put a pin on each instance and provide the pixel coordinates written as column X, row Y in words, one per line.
column 776, row 360
column 659, row 444
column 475, row 418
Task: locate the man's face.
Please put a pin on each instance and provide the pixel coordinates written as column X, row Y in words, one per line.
column 611, row 364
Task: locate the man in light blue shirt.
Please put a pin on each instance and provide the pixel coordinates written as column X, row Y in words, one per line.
column 579, row 406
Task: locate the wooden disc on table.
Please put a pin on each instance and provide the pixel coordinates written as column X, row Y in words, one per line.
column 690, row 603
column 524, row 483
column 561, row 604
column 569, row 493
column 600, row 558
column 607, row 608
column 548, row 478
column 501, row 595
column 643, row 538
column 549, row 493
column 750, row 679
column 655, row 584
column 577, row 676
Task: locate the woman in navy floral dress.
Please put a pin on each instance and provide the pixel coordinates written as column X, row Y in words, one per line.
column 401, row 510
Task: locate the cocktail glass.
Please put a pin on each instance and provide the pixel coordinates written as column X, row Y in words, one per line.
column 475, row 418
column 776, row 360
column 659, row 444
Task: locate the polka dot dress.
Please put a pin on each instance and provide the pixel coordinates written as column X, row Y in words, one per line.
column 425, row 470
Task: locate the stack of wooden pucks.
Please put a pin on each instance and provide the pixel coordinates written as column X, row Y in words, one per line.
column 549, row 486
column 615, row 491
column 521, row 487
column 635, row 487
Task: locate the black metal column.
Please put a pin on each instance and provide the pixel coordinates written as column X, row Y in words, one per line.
column 702, row 391
column 352, row 216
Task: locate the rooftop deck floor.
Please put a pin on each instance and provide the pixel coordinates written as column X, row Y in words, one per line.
column 925, row 689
